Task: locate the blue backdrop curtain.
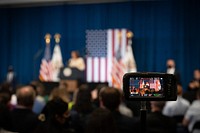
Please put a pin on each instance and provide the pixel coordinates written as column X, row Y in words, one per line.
column 162, row 30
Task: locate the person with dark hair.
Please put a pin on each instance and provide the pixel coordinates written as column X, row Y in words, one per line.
column 39, row 101
column 157, row 122
column 193, row 86
column 193, row 113
column 54, row 117
column 195, row 83
column 171, row 69
column 82, row 108
column 178, row 107
column 101, row 121
column 76, row 61
column 23, row 119
column 5, row 118
column 110, row 98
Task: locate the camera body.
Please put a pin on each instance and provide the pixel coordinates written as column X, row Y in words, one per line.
column 150, row 86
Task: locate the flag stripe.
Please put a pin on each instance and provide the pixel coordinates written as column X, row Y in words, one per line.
column 102, row 73
column 96, row 70
column 99, row 69
column 89, row 69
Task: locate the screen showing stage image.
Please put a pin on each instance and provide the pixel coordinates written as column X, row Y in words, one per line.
column 146, row 87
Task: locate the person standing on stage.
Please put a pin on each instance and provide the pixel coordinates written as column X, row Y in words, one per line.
column 76, row 61
column 171, row 69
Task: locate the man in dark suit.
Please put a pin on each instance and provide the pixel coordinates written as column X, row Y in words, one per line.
column 23, row 119
column 157, row 122
column 171, row 69
column 110, row 98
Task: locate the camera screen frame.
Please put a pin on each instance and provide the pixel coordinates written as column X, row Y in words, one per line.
column 149, row 86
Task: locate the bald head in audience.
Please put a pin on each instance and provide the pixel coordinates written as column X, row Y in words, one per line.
column 25, row 96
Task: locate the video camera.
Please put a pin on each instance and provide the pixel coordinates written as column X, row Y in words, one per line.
column 150, row 86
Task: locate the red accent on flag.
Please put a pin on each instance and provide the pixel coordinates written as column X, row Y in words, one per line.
column 46, row 71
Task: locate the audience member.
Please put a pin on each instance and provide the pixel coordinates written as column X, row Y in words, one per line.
column 193, row 113
column 193, row 86
column 178, row 108
column 55, row 118
column 123, row 109
column 60, row 92
column 82, row 108
column 195, row 83
column 5, row 95
column 101, row 121
column 157, row 122
column 95, row 94
column 23, row 119
column 39, row 101
column 171, row 69
column 110, row 98
column 5, row 118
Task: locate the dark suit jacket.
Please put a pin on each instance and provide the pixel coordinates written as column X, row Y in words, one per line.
column 24, row 120
column 177, row 75
column 126, row 124
column 158, row 123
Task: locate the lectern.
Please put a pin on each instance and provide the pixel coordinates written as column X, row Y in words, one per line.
column 72, row 77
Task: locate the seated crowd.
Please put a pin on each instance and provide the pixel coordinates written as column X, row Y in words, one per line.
column 99, row 110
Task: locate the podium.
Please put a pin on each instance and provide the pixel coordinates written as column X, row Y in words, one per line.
column 72, row 77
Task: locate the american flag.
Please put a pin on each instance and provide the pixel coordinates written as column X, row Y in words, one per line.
column 96, row 56
column 46, row 65
column 105, row 56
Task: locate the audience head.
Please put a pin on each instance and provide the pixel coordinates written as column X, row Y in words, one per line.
column 25, row 96
column 83, row 100
column 101, row 121
column 170, row 63
column 5, row 93
column 39, row 88
column 60, row 92
column 157, row 106
column 110, row 98
column 179, row 90
column 57, row 110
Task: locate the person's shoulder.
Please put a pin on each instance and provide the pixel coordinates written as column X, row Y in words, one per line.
column 195, row 104
column 124, row 118
column 185, row 101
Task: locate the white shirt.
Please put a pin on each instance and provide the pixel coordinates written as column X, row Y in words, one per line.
column 77, row 63
column 193, row 114
column 10, row 77
column 125, row 110
column 178, row 107
column 171, row 70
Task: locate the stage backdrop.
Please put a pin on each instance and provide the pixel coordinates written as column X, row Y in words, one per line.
column 162, row 29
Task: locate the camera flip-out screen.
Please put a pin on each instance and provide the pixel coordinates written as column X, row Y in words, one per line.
column 146, row 87
column 149, row 86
